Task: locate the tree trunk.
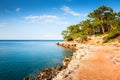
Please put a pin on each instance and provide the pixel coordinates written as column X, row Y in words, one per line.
column 98, row 29
column 103, row 29
column 111, row 26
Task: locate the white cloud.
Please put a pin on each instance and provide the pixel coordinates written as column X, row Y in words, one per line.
column 18, row 9
column 46, row 19
column 70, row 11
column 66, row 9
column 2, row 24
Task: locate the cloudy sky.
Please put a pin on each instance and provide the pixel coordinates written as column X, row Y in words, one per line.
column 44, row 19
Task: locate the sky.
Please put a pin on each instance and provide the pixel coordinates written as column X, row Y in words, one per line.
column 44, row 19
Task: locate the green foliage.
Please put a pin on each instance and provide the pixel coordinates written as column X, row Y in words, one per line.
column 102, row 20
column 112, row 35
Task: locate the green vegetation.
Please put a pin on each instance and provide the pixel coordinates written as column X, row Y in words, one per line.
column 101, row 21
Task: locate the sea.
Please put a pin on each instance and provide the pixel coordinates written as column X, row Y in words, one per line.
column 23, row 58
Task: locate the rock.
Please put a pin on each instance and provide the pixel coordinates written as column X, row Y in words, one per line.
column 66, row 61
column 116, row 60
column 27, row 78
column 49, row 73
column 69, row 64
column 68, row 45
column 80, row 55
column 57, row 43
column 73, row 63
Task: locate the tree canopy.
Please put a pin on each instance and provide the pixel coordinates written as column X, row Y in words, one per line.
column 103, row 20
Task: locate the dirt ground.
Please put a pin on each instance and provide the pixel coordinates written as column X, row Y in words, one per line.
column 102, row 64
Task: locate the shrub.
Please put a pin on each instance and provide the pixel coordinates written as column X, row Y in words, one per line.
column 111, row 35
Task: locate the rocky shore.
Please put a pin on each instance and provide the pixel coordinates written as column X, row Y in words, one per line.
column 81, row 51
column 50, row 73
column 70, row 45
column 71, row 66
column 92, row 62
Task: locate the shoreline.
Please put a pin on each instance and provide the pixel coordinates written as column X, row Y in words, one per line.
column 68, row 65
column 81, row 51
column 89, row 62
column 50, row 73
column 72, row 65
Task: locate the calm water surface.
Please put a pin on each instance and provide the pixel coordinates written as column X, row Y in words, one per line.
column 19, row 59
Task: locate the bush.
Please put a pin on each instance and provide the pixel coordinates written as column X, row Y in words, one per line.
column 112, row 35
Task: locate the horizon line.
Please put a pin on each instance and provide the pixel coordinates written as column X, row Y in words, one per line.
column 28, row 39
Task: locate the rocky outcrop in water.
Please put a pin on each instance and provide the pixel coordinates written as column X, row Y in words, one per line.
column 27, row 78
column 69, row 45
column 49, row 73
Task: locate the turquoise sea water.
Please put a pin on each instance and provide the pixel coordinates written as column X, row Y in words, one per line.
column 19, row 59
